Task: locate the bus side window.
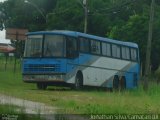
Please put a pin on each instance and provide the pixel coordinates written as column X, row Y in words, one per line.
column 71, row 47
column 116, row 51
column 133, row 54
column 106, row 49
column 125, row 53
column 84, row 44
column 95, row 47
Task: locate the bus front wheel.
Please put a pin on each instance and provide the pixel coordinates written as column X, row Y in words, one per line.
column 116, row 83
column 78, row 82
column 123, row 83
column 41, row 86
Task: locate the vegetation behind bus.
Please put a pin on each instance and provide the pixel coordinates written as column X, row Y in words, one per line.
column 17, row 113
column 118, row 19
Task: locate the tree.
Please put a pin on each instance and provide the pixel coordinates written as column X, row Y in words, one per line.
column 135, row 30
column 66, row 15
column 125, row 20
column 22, row 15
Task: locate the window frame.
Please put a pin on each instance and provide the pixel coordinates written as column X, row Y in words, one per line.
column 136, row 50
column 120, row 55
column 41, row 53
column 77, row 47
column 106, row 52
column 120, row 46
column 64, row 44
column 100, row 48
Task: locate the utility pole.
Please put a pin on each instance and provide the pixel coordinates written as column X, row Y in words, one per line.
column 85, row 15
column 149, row 46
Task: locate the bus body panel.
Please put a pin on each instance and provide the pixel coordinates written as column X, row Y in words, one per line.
column 100, row 71
column 44, row 70
column 97, row 69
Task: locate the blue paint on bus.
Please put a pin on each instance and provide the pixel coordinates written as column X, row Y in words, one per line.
column 85, row 62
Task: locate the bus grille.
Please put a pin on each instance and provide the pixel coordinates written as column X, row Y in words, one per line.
column 42, row 68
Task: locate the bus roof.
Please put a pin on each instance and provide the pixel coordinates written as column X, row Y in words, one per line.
column 76, row 34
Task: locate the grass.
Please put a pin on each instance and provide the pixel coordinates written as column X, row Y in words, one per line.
column 91, row 101
column 8, row 109
column 16, row 113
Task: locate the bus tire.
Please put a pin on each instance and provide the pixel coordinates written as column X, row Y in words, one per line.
column 122, row 83
column 41, row 86
column 78, row 81
column 116, row 82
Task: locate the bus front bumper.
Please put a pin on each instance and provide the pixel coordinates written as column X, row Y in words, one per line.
column 44, row 78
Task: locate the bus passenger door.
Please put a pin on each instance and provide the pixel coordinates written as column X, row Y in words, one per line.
column 72, row 55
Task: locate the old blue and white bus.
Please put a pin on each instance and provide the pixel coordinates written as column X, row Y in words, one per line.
column 79, row 59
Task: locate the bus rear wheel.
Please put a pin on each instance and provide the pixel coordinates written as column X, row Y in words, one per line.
column 41, row 86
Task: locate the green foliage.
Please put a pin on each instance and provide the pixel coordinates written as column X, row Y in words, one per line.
column 7, row 109
column 11, row 112
column 125, row 20
column 157, row 74
column 66, row 15
column 29, row 15
column 135, row 29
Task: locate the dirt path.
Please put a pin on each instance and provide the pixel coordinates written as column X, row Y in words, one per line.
column 29, row 107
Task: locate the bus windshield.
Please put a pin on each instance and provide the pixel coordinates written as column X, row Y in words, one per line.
column 53, row 46
column 33, row 46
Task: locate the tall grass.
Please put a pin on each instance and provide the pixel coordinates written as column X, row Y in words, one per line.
column 82, row 102
column 13, row 112
column 7, row 109
column 100, row 102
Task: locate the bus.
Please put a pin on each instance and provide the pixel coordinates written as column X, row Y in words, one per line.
column 62, row 57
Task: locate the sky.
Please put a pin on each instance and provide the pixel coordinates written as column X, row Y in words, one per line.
column 2, row 33
column 2, row 0
column 2, row 37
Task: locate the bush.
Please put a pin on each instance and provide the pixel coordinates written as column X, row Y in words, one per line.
column 157, row 74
